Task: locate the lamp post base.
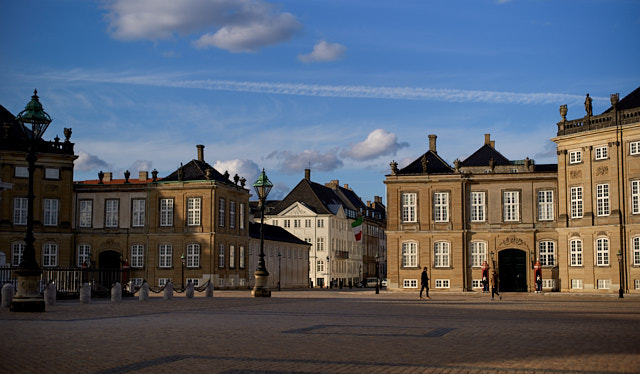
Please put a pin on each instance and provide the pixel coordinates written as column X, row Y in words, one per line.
column 28, row 298
column 260, row 289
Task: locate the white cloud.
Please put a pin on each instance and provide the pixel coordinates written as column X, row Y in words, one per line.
column 87, row 162
column 244, row 168
column 140, row 165
column 378, row 143
column 241, row 25
column 295, row 162
column 323, row 52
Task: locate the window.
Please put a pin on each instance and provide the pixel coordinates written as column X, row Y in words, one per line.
column 576, row 284
column 477, row 206
column 17, row 249
column 576, row 202
column 410, row 283
column 319, row 265
column 511, row 204
column 49, row 255
column 296, row 223
column 166, row 212
column 635, row 197
column 545, row 205
column 307, row 223
column 441, row 206
column 193, row 255
column 320, row 244
column 221, row 282
column 84, row 255
column 634, row 148
column 137, row 256
column 232, row 256
column 86, row 213
column 287, row 223
column 635, row 248
column 602, row 199
column 441, row 251
column 50, row 212
column 232, row 214
column 194, row 281
column 163, row 281
column 410, row 254
column 221, row 256
column 602, row 153
column 222, row 204
column 476, row 283
column 165, row 252
column 409, row 207
column 111, row 213
column 242, row 216
column 241, row 258
column 137, row 282
column 442, row 283
column 320, row 223
column 604, row 284
column 637, row 284
column 478, row 253
column 575, row 248
column 602, row 252
column 137, row 212
column 21, row 172
column 193, row 211
column 575, row 157
column 51, row 173
column 20, row 210
column 548, row 283
column 547, row 253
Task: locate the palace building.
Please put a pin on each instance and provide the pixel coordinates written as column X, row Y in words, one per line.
column 578, row 221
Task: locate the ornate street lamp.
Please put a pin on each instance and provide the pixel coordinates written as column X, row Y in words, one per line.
column 620, row 291
column 33, row 121
column 262, row 186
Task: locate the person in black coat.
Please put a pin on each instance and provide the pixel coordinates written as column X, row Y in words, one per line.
column 424, row 279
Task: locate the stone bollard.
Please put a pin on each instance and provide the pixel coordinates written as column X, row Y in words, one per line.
column 116, row 293
column 50, row 294
column 209, row 290
column 7, row 295
column 168, row 291
column 189, row 291
column 144, row 292
column 85, row 293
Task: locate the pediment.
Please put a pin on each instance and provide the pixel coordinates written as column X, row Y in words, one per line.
column 297, row 209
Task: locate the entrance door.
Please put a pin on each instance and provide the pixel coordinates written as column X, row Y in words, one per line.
column 109, row 268
column 512, row 270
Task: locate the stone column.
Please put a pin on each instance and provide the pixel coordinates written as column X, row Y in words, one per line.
column 50, row 294
column 168, row 291
column 144, row 292
column 189, row 291
column 85, row 293
column 209, row 290
column 7, row 295
column 116, row 293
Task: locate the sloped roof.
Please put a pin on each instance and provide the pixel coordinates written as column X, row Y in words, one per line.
column 274, row 233
column 435, row 165
column 630, row 101
column 482, row 156
column 196, row 170
column 315, row 196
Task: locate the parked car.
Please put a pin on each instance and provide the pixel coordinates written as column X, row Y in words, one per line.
column 383, row 283
column 371, row 282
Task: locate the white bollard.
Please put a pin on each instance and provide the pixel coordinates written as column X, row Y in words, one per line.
column 7, row 295
column 116, row 293
column 189, row 291
column 144, row 292
column 209, row 290
column 168, row 291
column 50, row 294
column 85, row 293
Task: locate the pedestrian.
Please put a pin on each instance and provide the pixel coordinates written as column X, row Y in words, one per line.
column 424, row 279
column 538, row 284
column 485, row 283
column 494, row 284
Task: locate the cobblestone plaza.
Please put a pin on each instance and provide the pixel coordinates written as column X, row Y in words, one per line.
column 328, row 331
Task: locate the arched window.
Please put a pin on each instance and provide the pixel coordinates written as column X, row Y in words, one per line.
column 602, row 252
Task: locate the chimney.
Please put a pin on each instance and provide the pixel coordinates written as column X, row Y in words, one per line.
column 200, row 152
column 333, row 184
column 307, row 174
column 377, row 199
column 369, row 203
column 107, row 177
column 488, row 141
column 143, row 176
column 346, row 186
column 432, row 143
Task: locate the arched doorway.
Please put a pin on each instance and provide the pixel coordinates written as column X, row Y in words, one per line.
column 512, row 270
column 109, row 268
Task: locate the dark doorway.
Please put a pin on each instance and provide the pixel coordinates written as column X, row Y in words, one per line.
column 512, row 270
column 109, row 264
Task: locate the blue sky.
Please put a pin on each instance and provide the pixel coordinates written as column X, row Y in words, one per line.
column 344, row 87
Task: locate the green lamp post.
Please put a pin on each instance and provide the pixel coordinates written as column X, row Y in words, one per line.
column 33, row 121
column 262, row 186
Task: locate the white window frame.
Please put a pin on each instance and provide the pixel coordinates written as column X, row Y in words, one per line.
column 511, row 206
column 320, row 243
column 165, row 256
column 410, row 254
column 51, row 173
column 194, row 210
column 409, row 283
column 602, row 252
column 478, row 206
column 476, row 283
column 409, row 207
column 478, row 253
column 111, row 210
column 287, row 223
column 137, row 256
column 51, row 211
column 222, row 205
column 320, row 223
column 138, row 209
column 241, row 222
column 575, row 252
column 163, row 281
column 49, row 255
column 319, row 266
column 576, row 196
column 85, row 215
column 20, row 205
column 577, row 284
column 602, row 200
column 221, row 260
column 17, row 251
column 232, row 214
column 545, row 205
column 232, row 256
column 635, row 249
column 575, row 157
column 166, row 212
column 634, row 148
column 547, row 253
column 194, row 281
column 635, row 197
column 193, row 255
column 441, row 206
column 84, row 254
column 604, row 284
column 601, row 152
column 241, row 257
column 21, row 172
column 441, row 253
column 442, row 283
